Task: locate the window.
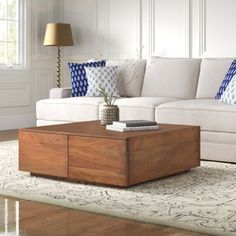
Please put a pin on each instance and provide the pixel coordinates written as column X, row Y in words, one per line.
column 11, row 36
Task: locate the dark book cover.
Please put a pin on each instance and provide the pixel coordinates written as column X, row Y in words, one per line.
column 134, row 123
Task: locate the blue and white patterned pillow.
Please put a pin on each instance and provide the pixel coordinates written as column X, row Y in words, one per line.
column 78, row 76
column 102, row 76
column 228, row 77
column 229, row 95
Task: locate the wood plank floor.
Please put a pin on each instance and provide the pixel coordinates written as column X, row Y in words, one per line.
column 28, row 218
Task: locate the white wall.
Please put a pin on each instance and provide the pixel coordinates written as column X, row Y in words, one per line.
column 139, row 28
column 20, row 89
column 114, row 29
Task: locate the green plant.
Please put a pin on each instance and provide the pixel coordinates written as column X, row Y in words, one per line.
column 109, row 100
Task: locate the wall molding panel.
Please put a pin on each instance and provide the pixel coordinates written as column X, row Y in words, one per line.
column 216, row 22
column 187, row 28
column 152, row 27
column 45, row 15
column 123, row 42
column 202, row 27
column 171, row 31
column 14, row 95
column 82, row 15
column 16, row 121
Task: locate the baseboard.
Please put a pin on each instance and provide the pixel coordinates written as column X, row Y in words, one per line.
column 17, row 121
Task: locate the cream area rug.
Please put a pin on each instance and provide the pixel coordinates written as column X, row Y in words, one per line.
column 203, row 199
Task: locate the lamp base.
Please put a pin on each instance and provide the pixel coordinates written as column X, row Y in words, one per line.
column 58, row 67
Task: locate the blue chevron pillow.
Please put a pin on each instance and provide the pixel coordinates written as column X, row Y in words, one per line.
column 229, row 95
column 228, row 77
column 78, row 76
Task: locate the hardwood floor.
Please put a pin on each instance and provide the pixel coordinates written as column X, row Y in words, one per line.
column 8, row 135
column 28, row 218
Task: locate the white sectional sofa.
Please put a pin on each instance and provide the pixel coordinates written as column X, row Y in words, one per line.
column 173, row 90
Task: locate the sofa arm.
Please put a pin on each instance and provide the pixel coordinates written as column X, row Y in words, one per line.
column 60, row 93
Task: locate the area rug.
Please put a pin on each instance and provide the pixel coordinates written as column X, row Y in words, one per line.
column 202, row 200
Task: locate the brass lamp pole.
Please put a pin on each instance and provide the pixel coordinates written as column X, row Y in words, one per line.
column 58, row 67
column 58, row 34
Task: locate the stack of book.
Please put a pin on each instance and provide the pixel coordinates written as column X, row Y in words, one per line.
column 132, row 125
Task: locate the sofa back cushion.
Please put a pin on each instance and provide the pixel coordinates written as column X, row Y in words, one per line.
column 212, row 73
column 171, row 77
column 130, row 76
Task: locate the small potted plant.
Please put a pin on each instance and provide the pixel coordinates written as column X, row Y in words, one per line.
column 108, row 112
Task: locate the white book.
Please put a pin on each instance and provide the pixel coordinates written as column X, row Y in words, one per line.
column 127, row 129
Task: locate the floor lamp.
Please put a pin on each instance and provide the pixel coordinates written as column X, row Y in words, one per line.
column 58, row 35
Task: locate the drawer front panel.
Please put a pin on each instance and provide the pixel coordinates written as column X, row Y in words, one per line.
column 42, row 153
column 98, row 160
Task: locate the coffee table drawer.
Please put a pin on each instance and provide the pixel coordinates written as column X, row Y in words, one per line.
column 98, row 160
column 45, row 154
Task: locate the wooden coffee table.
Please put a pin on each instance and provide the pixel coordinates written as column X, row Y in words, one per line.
column 87, row 152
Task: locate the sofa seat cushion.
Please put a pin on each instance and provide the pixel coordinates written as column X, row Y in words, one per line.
column 69, row 109
column 139, row 108
column 210, row 114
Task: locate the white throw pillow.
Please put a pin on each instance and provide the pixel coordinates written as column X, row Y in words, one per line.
column 102, row 76
column 229, row 95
